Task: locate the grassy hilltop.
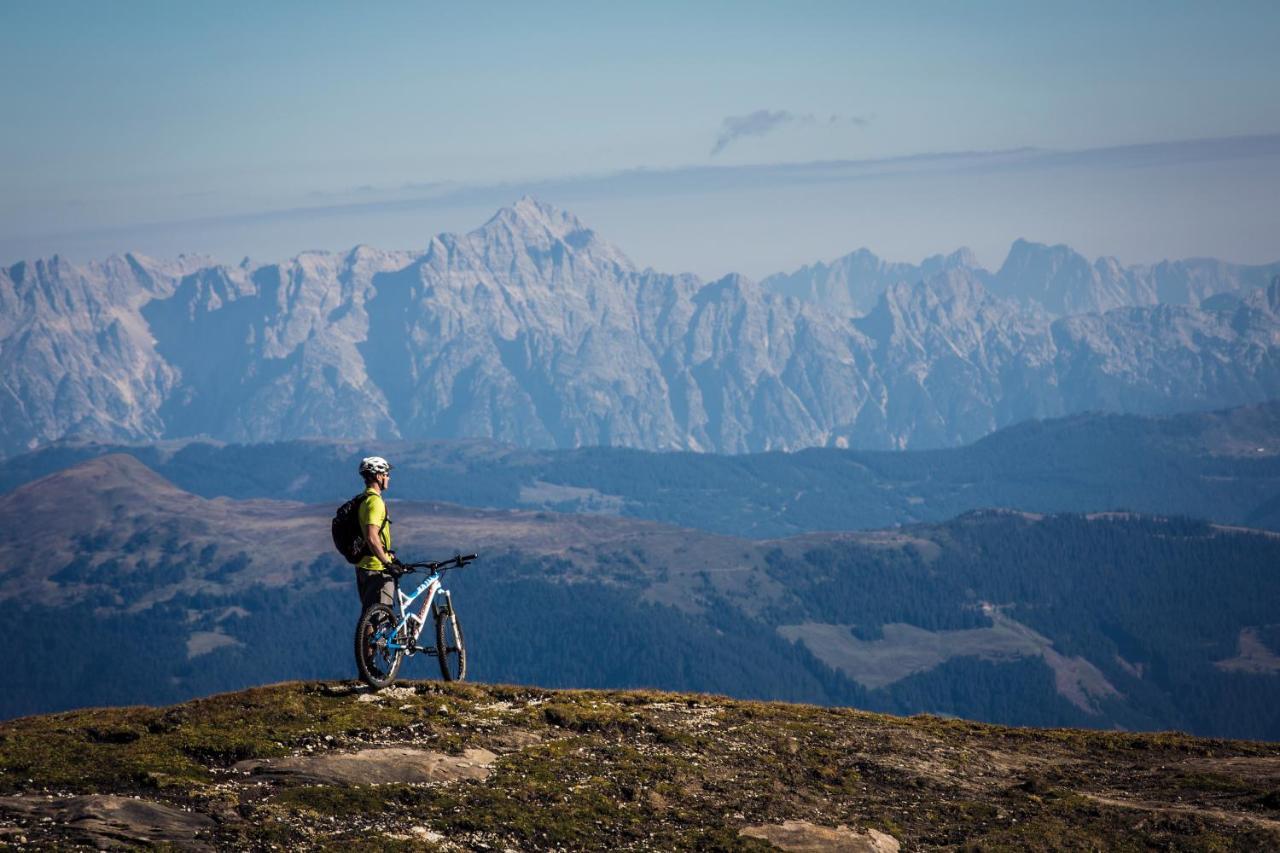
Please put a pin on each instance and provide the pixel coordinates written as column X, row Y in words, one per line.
column 436, row 766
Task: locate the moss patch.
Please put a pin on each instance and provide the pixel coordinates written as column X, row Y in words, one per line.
column 641, row 770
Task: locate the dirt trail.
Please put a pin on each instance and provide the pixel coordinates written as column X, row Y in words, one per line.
column 1233, row 818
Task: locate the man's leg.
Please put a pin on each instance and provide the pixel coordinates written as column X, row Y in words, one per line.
column 368, row 586
column 374, row 588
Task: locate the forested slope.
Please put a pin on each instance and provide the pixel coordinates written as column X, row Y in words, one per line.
column 148, row 593
column 1223, row 466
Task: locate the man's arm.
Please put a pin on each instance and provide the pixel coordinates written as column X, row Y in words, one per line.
column 374, row 539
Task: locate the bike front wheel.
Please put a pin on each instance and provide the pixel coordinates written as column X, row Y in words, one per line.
column 376, row 662
column 449, row 648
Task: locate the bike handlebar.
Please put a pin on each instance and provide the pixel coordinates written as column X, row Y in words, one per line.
column 457, row 561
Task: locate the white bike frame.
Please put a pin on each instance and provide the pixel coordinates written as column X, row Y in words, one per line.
column 428, row 590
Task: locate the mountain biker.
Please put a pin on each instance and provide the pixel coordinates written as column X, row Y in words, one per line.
column 373, row 580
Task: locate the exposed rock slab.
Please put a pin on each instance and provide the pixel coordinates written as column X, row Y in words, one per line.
column 111, row 821
column 799, row 836
column 388, row 694
column 514, row 741
column 377, row 766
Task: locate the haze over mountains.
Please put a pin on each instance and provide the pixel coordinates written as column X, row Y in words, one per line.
column 533, row 330
column 1223, row 466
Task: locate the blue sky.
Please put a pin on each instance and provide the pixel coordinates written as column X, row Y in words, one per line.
column 266, row 129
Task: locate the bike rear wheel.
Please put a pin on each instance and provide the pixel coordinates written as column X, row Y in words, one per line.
column 449, row 648
column 377, row 663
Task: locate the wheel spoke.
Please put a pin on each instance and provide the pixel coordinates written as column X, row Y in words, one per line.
column 450, row 648
column 376, row 658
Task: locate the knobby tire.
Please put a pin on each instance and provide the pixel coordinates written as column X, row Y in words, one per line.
column 377, row 665
column 452, row 656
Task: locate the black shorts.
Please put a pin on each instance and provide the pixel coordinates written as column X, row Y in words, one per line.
column 374, row 587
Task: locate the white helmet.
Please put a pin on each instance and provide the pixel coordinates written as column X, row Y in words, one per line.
column 372, row 466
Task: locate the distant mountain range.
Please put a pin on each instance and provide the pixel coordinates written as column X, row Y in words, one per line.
column 141, row 592
column 535, row 331
column 1056, row 279
column 1223, row 466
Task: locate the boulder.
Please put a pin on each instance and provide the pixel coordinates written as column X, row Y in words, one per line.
column 376, row 766
column 109, row 821
column 799, row 836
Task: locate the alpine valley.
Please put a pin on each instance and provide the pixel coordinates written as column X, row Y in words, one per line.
column 143, row 592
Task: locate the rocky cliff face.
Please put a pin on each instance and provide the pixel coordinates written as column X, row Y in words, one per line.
column 273, row 350
column 850, row 286
column 534, row 330
column 77, row 355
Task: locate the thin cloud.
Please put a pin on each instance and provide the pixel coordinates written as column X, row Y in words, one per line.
column 760, row 122
column 173, row 236
column 757, row 123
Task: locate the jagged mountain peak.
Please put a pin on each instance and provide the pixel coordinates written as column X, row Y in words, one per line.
column 366, row 258
column 949, row 286
column 312, row 261
column 1061, row 279
column 534, row 224
column 852, row 284
column 1023, row 253
column 362, row 251
column 732, row 286
column 962, row 258
column 528, row 216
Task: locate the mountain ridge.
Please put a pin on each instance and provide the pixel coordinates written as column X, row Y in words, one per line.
column 1054, row 278
column 534, row 330
column 1220, row 466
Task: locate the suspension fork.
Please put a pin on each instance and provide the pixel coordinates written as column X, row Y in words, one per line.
column 422, row 614
column 453, row 619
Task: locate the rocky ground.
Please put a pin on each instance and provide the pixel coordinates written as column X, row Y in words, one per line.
column 486, row 767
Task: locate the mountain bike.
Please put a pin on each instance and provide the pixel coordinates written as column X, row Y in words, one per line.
column 386, row 634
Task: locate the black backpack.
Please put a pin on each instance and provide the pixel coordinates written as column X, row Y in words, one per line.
column 348, row 538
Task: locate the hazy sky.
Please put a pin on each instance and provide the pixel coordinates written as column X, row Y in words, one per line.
column 685, row 133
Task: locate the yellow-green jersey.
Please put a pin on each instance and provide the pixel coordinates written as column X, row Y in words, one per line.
column 374, row 511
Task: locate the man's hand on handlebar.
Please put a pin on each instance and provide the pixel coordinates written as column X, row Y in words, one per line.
column 455, row 562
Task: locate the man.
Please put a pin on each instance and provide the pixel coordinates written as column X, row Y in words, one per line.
column 372, row 578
